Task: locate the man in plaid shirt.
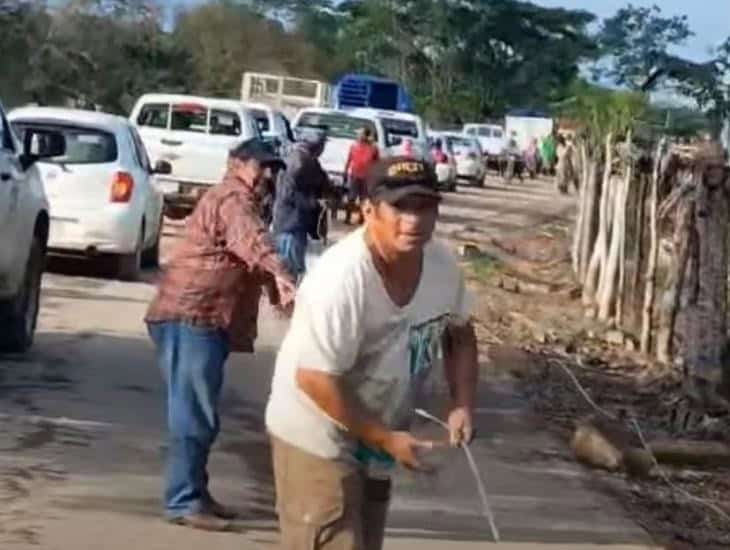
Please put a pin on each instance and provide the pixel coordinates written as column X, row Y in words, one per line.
column 207, row 306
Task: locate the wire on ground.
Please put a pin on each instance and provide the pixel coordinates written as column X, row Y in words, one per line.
column 636, row 428
column 486, row 508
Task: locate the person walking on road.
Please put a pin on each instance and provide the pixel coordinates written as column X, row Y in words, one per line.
column 297, row 209
column 547, row 154
column 382, row 309
column 362, row 156
column 565, row 168
column 532, row 158
column 206, row 307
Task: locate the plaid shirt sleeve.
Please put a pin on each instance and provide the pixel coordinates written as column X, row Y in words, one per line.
column 247, row 239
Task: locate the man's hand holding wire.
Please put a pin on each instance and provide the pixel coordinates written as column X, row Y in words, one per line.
column 461, row 426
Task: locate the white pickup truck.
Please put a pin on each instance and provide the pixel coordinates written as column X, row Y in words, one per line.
column 24, row 227
column 193, row 134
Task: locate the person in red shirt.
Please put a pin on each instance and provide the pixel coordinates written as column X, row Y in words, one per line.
column 437, row 153
column 363, row 154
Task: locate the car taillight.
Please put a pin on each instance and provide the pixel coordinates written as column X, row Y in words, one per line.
column 122, row 187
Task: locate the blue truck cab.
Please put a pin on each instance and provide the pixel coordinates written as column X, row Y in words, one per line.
column 363, row 90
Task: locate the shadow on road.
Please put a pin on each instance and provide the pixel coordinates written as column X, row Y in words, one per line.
column 101, row 268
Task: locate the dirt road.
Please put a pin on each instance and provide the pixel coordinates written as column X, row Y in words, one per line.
column 83, row 439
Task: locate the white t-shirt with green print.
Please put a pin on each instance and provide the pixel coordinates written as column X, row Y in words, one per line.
column 345, row 324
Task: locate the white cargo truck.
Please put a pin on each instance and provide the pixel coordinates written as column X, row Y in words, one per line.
column 522, row 129
column 285, row 93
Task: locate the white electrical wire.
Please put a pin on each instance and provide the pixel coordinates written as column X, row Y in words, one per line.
column 637, row 429
column 486, row 508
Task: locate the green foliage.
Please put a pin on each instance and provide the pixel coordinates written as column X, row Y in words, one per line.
column 224, row 40
column 461, row 61
column 90, row 53
column 468, row 60
column 601, row 111
column 636, row 40
column 484, row 267
column 682, row 122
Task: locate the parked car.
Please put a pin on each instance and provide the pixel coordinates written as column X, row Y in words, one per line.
column 24, row 227
column 445, row 167
column 195, row 135
column 468, row 156
column 491, row 139
column 101, row 191
column 273, row 126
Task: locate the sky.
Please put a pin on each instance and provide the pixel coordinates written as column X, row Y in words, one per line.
column 709, row 19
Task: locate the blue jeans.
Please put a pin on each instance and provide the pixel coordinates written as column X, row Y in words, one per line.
column 192, row 360
column 292, row 249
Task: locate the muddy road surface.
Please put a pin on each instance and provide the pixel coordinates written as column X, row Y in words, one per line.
column 83, row 440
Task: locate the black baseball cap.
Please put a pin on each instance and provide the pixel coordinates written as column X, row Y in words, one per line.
column 258, row 150
column 394, row 178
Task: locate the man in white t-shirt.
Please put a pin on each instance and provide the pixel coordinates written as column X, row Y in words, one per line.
column 382, row 309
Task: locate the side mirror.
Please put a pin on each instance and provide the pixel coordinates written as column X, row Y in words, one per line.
column 162, row 167
column 41, row 144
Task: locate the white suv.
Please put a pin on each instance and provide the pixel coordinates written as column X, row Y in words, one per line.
column 491, row 137
column 195, row 135
column 24, row 225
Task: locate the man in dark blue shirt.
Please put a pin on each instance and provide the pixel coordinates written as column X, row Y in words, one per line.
column 296, row 208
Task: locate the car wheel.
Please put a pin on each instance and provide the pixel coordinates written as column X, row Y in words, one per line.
column 129, row 266
column 151, row 256
column 19, row 315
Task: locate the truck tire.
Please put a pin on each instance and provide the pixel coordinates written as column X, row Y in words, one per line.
column 19, row 315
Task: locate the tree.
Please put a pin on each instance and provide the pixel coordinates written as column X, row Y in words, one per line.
column 22, row 23
column 90, row 53
column 226, row 39
column 635, row 42
column 635, row 46
column 468, row 59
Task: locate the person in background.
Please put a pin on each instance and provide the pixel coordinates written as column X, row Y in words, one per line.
column 575, row 162
column 297, row 209
column 206, row 306
column 532, row 158
column 437, row 153
column 384, row 308
column 408, row 148
column 362, row 156
column 565, row 169
column 547, row 154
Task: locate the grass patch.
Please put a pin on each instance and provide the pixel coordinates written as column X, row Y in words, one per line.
column 483, row 267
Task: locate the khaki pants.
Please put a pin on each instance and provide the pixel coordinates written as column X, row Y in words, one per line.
column 325, row 504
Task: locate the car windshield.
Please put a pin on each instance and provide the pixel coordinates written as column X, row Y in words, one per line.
column 337, row 125
column 189, row 117
column 396, row 130
column 457, row 142
column 83, row 145
column 464, row 144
